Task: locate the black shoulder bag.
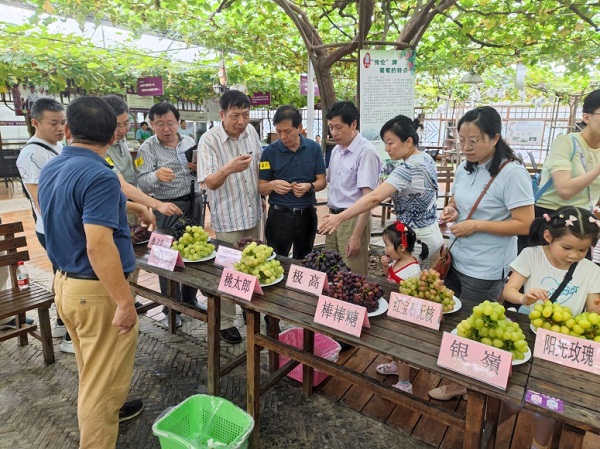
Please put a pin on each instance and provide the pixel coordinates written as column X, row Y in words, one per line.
column 565, row 281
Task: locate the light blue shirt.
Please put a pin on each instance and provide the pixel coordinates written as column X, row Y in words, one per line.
column 482, row 255
column 351, row 169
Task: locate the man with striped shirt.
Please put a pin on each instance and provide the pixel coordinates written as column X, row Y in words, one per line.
column 228, row 165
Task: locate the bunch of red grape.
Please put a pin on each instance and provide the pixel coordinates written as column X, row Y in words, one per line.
column 245, row 241
column 139, row 233
column 356, row 289
column 326, row 261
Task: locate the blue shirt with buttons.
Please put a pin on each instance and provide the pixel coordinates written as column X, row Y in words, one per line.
column 302, row 165
column 77, row 188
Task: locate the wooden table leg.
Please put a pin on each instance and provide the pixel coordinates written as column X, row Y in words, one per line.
column 308, row 345
column 21, row 320
column 474, row 420
column 46, row 335
column 214, row 345
column 491, row 422
column 273, row 332
column 253, row 374
column 171, row 318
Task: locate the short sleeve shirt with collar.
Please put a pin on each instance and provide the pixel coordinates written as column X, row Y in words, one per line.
column 30, row 162
column 119, row 157
column 302, row 165
column 153, row 155
column 236, row 205
column 482, row 255
column 350, row 170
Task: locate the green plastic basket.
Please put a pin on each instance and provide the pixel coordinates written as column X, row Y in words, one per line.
column 201, row 418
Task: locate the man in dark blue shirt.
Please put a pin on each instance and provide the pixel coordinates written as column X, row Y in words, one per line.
column 89, row 243
column 292, row 169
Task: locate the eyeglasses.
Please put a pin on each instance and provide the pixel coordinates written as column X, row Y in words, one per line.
column 124, row 125
column 161, row 125
column 468, row 143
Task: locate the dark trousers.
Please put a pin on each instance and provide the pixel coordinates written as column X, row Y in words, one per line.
column 285, row 229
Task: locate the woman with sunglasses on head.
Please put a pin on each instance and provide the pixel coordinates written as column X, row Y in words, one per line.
column 485, row 244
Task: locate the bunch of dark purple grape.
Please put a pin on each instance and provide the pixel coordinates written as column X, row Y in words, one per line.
column 178, row 229
column 356, row 289
column 326, row 261
column 245, row 241
column 139, row 234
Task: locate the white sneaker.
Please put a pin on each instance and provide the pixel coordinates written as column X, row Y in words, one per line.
column 67, row 346
column 178, row 322
column 404, row 387
column 58, row 330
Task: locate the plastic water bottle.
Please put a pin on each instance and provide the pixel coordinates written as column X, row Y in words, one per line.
column 22, row 276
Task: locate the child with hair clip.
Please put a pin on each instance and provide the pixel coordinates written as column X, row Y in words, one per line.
column 399, row 264
column 562, row 240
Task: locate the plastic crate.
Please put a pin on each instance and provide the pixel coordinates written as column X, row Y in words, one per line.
column 204, row 422
column 325, row 347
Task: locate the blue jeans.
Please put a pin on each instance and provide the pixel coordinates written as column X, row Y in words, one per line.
column 472, row 289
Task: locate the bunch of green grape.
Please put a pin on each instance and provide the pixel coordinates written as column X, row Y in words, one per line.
column 254, row 261
column 488, row 325
column 587, row 325
column 428, row 285
column 553, row 316
column 193, row 244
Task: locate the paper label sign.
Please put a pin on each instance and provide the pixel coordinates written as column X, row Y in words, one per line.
column 160, row 240
column 486, row 363
column 415, row 310
column 165, row 258
column 240, row 285
column 341, row 315
column 307, row 280
column 226, row 256
column 566, row 350
column 544, row 401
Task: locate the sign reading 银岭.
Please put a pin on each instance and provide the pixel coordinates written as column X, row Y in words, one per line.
column 474, row 359
column 240, row 285
column 341, row 315
column 226, row 256
column 160, row 240
column 415, row 310
column 165, row 258
column 307, row 280
column 566, row 350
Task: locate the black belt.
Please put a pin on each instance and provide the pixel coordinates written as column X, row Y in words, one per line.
column 336, row 211
column 187, row 197
column 294, row 210
column 85, row 277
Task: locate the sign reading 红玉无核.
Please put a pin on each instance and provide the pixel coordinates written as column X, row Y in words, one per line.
column 226, row 256
column 566, row 350
column 307, row 280
column 240, row 285
column 474, row 359
column 415, row 310
column 160, row 240
column 165, row 258
column 341, row 315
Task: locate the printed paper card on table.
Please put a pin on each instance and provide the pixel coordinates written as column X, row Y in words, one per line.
column 473, row 359
column 566, row 350
column 240, row 285
column 226, row 256
column 159, row 239
column 307, row 280
column 415, row 310
column 165, row 258
column 341, row 315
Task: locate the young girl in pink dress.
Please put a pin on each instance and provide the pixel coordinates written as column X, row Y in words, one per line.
column 399, row 264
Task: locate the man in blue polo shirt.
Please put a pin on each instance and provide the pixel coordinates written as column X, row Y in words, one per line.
column 88, row 241
column 291, row 171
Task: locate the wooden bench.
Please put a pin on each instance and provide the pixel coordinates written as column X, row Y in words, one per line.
column 15, row 302
column 445, row 175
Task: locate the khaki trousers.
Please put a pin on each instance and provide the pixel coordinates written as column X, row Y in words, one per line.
column 338, row 241
column 104, row 358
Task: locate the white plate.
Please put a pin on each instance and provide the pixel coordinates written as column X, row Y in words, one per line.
column 276, row 281
column 203, row 259
column 514, row 362
column 272, row 256
column 143, row 242
column 457, row 306
column 533, row 328
column 381, row 309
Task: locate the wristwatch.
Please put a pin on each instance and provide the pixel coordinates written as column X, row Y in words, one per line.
column 312, row 188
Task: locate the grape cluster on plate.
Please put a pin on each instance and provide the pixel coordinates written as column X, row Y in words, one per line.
column 558, row 318
column 254, row 261
column 193, row 244
column 356, row 289
column 488, row 325
column 428, row 285
column 587, row 325
column 245, row 241
column 139, row 234
column 326, row 261
column 180, row 226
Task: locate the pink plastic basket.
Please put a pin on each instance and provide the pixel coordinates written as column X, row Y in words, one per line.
column 325, row 347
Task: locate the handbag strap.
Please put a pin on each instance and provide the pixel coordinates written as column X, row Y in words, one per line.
column 563, row 284
column 486, row 189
